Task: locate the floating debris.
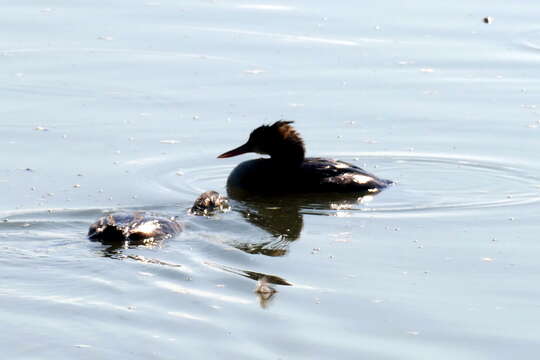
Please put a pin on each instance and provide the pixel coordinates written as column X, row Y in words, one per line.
column 488, row 20
column 41, row 128
column 170, row 142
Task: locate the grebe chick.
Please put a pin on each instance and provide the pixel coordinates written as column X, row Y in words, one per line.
column 209, row 203
column 144, row 228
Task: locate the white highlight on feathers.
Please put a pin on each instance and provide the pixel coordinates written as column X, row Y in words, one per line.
column 341, row 165
column 361, row 179
column 148, row 227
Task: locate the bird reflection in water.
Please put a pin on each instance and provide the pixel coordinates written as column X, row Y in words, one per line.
column 281, row 215
column 265, row 292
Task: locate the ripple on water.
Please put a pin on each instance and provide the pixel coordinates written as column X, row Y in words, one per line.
column 425, row 185
column 530, row 40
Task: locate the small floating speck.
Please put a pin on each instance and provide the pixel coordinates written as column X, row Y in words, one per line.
column 77, row 186
column 41, row 128
column 170, row 142
column 106, row 38
column 81, row 346
column 414, row 333
column 179, row 173
column 488, row 259
column 488, row 20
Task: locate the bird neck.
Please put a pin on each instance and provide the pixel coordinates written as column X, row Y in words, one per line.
column 289, row 154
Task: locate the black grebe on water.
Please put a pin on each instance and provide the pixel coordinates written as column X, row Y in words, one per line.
column 288, row 170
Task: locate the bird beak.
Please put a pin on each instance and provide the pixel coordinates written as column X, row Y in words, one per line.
column 238, row 151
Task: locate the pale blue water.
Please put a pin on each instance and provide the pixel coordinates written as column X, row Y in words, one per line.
column 126, row 105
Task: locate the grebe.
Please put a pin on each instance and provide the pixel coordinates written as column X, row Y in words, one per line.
column 144, row 228
column 289, row 171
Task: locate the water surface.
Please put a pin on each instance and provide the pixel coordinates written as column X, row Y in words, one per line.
column 125, row 106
